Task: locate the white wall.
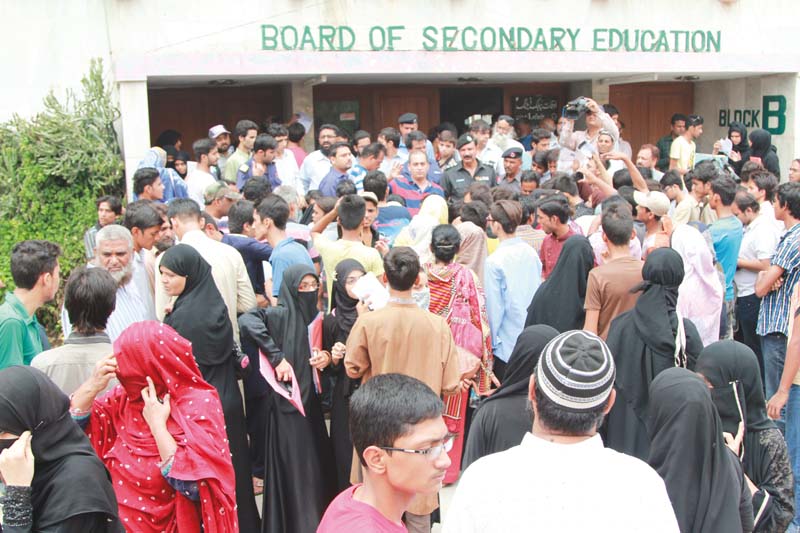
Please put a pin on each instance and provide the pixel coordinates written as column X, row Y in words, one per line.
column 49, row 47
column 747, row 93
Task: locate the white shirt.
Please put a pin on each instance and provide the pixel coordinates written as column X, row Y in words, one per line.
column 129, row 309
column 492, row 151
column 141, row 279
column 544, row 486
column 197, row 182
column 228, row 271
column 287, row 169
column 315, row 167
column 758, row 242
column 767, row 210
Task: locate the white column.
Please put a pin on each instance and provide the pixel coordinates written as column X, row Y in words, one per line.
column 135, row 118
column 301, row 98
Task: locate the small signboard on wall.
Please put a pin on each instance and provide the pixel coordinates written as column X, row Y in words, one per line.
column 342, row 113
column 534, row 107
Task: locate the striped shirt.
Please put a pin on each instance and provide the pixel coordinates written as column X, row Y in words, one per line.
column 412, row 194
column 774, row 314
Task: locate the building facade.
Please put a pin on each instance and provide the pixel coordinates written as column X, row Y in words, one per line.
column 188, row 66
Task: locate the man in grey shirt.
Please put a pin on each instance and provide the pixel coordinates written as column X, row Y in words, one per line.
column 89, row 299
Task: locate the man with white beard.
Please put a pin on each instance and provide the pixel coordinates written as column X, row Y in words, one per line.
column 113, row 253
column 503, row 138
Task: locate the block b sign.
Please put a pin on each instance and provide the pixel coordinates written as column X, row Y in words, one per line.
column 771, row 116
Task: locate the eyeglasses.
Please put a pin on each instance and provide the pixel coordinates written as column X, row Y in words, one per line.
column 309, row 286
column 431, row 453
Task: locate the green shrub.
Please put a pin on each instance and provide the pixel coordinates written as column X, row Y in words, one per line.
column 52, row 168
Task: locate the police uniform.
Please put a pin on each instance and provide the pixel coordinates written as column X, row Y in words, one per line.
column 457, row 180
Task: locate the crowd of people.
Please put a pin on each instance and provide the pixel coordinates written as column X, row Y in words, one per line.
column 579, row 338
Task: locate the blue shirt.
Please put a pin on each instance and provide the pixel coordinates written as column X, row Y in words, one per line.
column 253, row 253
column 726, row 234
column 391, row 220
column 245, row 172
column 773, row 317
column 526, row 142
column 327, row 187
column 288, row 252
column 512, row 275
column 356, row 175
column 402, row 150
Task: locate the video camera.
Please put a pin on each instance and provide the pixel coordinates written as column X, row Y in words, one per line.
column 575, row 109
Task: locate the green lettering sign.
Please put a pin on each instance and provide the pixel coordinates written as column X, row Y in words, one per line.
column 452, row 38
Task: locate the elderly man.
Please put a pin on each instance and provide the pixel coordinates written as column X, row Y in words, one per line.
column 114, row 253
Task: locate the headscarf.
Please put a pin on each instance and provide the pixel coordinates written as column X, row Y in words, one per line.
column 523, row 360
column 344, row 306
column 417, row 234
column 654, row 312
column 177, row 155
column 728, row 361
column 473, row 251
column 123, row 439
column 63, row 457
column 688, row 451
column 559, row 300
column 743, row 147
column 199, row 314
column 701, row 293
column 761, row 143
column 287, row 327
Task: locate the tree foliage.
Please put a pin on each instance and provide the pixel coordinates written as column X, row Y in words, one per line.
column 52, row 168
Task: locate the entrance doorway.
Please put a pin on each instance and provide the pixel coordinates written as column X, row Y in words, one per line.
column 458, row 103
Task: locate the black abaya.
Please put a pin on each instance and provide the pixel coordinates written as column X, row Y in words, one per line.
column 765, row 458
column 503, row 418
column 300, row 479
column 64, row 457
column 703, row 477
column 643, row 343
column 335, row 328
column 200, row 316
column 559, row 300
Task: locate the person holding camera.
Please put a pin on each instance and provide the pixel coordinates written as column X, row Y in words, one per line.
column 596, row 120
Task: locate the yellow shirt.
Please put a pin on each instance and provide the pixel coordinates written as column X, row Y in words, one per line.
column 683, row 151
column 332, row 252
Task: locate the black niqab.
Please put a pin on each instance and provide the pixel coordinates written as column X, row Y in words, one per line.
column 703, row 477
column 643, row 343
column 727, row 361
column 654, row 313
column 344, row 306
column 64, row 457
column 558, row 302
column 761, row 147
column 287, row 327
column 199, row 313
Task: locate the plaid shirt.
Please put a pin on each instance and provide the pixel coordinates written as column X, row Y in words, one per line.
column 774, row 314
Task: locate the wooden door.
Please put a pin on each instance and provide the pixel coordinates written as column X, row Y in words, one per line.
column 192, row 111
column 646, row 108
column 391, row 102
